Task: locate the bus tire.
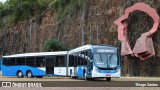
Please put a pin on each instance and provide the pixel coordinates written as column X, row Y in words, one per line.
column 108, row 78
column 19, row 74
column 39, row 76
column 29, row 74
column 91, row 79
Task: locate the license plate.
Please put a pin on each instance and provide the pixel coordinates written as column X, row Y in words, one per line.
column 108, row 75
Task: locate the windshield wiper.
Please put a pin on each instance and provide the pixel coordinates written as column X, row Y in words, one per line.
column 110, row 57
column 106, row 68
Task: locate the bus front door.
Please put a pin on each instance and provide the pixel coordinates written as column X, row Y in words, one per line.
column 50, row 65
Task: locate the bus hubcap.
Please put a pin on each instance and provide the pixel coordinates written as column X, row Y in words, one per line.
column 85, row 76
column 20, row 74
column 29, row 74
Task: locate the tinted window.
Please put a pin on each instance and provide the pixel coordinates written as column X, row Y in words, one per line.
column 89, row 55
column 4, row 61
column 20, row 61
column 80, row 59
column 40, row 62
column 9, row 61
column 60, row 61
column 85, row 58
column 71, row 60
column 75, row 59
column 30, row 61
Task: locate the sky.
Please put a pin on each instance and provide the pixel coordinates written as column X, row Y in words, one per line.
column 2, row 0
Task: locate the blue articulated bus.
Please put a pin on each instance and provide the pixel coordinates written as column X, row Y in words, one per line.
column 35, row 64
column 94, row 61
column 88, row 61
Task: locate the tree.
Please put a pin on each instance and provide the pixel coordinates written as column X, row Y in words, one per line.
column 54, row 45
column 13, row 11
column 67, row 8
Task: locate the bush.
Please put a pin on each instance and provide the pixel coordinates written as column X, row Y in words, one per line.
column 54, row 45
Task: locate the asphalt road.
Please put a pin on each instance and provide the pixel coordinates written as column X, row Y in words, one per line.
column 66, row 83
column 69, row 79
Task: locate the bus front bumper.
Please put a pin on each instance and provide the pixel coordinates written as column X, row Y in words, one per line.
column 103, row 75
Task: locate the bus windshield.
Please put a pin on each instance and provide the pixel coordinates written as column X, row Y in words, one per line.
column 106, row 61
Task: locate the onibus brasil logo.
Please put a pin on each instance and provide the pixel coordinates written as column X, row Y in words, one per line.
column 21, row 84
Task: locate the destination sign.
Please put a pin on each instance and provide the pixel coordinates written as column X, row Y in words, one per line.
column 104, row 50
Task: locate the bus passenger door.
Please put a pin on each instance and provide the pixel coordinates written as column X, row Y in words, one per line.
column 50, row 65
column 89, row 63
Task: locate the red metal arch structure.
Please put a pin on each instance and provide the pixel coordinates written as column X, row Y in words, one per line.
column 143, row 48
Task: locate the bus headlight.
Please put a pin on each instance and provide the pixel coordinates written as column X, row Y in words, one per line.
column 96, row 70
column 119, row 70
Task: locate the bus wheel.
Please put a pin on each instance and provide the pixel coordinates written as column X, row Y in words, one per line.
column 108, row 78
column 29, row 74
column 19, row 74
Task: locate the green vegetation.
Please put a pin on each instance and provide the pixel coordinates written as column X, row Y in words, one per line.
column 54, row 45
column 67, row 8
column 13, row 11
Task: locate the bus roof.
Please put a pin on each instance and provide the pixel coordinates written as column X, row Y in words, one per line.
column 80, row 48
column 85, row 47
column 37, row 54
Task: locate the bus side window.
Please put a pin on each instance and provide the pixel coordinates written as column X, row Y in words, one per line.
column 89, row 55
column 30, row 61
column 75, row 60
column 79, row 58
column 60, row 61
column 85, row 58
column 9, row 61
column 40, row 61
column 4, row 61
column 20, row 61
column 82, row 58
column 71, row 60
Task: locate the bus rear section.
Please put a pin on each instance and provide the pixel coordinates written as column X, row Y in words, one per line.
column 21, row 66
column 35, row 64
column 98, row 61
